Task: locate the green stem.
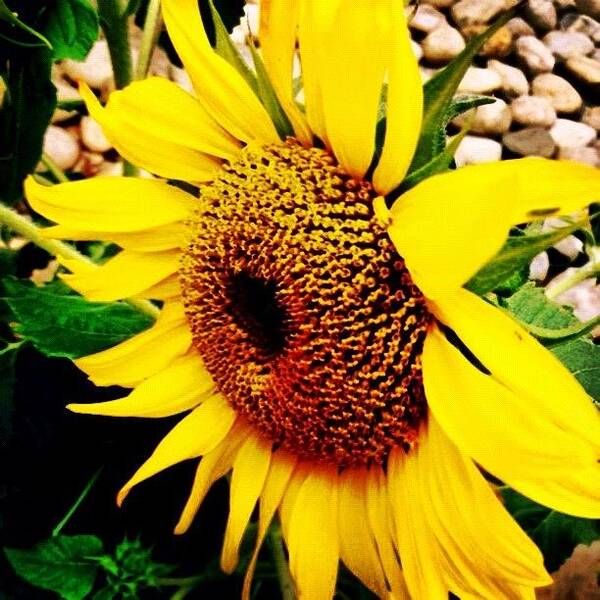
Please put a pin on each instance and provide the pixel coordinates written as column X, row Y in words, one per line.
column 591, row 269
column 30, row 231
column 56, row 531
column 115, row 25
column 152, row 29
column 286, row 584
column 56, row 171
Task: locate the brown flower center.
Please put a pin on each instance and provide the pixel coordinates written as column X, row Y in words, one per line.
column 302, row 310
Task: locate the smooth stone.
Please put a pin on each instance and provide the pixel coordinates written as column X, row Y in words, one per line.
column 440, row 3
column 499, row 45
column 532, row 141
column 564, row 97
column 586, row 154
column 541, row 14
column 533, row 52
column 589, row 7
column 480, row 81
column 442, row 44
column 581, row 24
column 93, row 137
column 426, row 18
column 539, row 266
column 570, row 246
column 61, row 147
column 585, row 67
column 567, row 44
column 514, row 82
column 491, row 119
column 95, row 70
column 519, row 27
column 64, row 93
column 474, row 150
column 417, row 50
column 533, row 111
column 470, row 12
column 591, row 117
column 572, row 134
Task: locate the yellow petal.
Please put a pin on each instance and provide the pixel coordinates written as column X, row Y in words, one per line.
column 164, row 237
column 139, row 140
column 127, row 274
column 220, row 88
column 280, row 471
column 353, row 41
column 110, row 204
column 404, row 108
column 168, row 289
column 485, row 549
column 522, row 364
column 313, row 540
column 416, row 544
column 249, row 472
column 474, row 409
column 381, row 523
column 450, row 225
column 196, row 434
column 278, row 25
column 357, row 545
column 212, row 467
column 142, row 355
column 179, row 387
column 166, row 111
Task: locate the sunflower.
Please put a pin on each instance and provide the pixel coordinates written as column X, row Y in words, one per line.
column 314, row 326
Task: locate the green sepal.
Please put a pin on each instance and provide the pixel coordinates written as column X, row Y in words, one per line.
column 62, row 564
column 60, row 323
column 517, row 252
column 227, row 50
column 439, row 92
column 267, row 94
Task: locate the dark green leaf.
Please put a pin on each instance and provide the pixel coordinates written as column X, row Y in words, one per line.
column 439, row 92
column 516, row 253
column 29, row 102
column 63, row 324
column 555, row 533
column 8, row 357
column 72, row 28
column 62, row 564
column 6, row 14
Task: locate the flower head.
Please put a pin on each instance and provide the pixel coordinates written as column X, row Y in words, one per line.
column 315, row 328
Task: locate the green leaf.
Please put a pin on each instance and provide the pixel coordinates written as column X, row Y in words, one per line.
column 62, row 324
column 62, row 564
column 516, row 253
column 28, row 104
column 72, row 29
column 544, row 319
column 439, row 92
column 556, row 534
column 582, row 358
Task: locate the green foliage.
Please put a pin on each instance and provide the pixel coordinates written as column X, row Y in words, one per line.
column 556, row 534
column 517, row 253
column 63, row 564
column 130, row 570
column 62, row 324
column 72, row 28
column 439, row 92
column 8, row 359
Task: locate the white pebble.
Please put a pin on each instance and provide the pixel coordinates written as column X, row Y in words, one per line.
column 61, row 147
column 474, row 150
column 93, row 137
column 571, row 134
column 480, row 81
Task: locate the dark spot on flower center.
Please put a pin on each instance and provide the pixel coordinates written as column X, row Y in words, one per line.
column 303, row 312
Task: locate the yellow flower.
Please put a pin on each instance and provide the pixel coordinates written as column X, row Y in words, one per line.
column 322, row 343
